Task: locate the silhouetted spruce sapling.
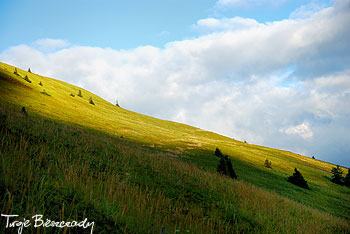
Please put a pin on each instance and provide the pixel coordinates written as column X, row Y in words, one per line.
column 337, row 176
column 268, row 163
column 26, row 78
column 117, row 104
column 91, row 101
column 79, row 93
column 225, row 167
column 231, row 172
column 222, row 167
column 298, row 180
column 41, row 84
column 347, row 179
column 29, row 70
column 23, row 111
column 218, row 153
column 313, row 157
column 44, row 92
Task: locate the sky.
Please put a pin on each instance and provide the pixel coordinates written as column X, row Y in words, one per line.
column 270, row 72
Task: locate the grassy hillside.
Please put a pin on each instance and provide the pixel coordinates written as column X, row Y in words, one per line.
column 136, row 174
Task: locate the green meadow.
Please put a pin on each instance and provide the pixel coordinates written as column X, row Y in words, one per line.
column 69, row 159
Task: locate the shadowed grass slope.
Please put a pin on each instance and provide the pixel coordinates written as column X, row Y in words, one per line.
column 160, row 175
column 68, row 173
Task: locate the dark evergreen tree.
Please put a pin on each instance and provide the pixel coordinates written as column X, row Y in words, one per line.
column 79, row 94
column 91, row 101
column 337, row 176
column 26, row 78
column 313, row 157
column 218, row 153
column 23, row 111
column 347, row 179
column 222, row 167
column 15, row 72
column 231, row 172
column 268, row 163
column 29, row 70
column 41, row 84
column 298, row 180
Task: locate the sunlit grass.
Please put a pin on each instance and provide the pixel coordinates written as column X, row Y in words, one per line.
column 161, row 174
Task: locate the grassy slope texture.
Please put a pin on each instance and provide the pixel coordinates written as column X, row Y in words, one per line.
column 69, row 159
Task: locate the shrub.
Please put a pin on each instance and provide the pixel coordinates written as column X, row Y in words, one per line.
column 222, row 167
column 24, row 111
column 298, row 180
column 72, row 95
column 225, row 167
column 337, row 176
column 313, row 157
column 91, row 101
column 44, row 92
column 268, row 163
column 41, row 84
column 26, row 78
column 15, row 72
column 347, row 179
column 230, row 169
column 218, row 153
column 79, row 93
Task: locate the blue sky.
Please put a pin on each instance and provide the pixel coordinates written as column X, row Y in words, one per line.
column 123, row 24
column 271, row 72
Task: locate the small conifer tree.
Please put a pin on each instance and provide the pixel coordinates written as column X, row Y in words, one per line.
column 222, row 167
column 26, row 78
column 91, row 101
column 116, row 103
column 15, row 72
column 225, row 167
column 313, row 157
column 347, row 179
column 79, row 93
column 230, row 169
column 24, row 111
column 298, row 180
column 218, row 153
column 268, row 163
column 41, row 84
column 29, row 70
column 337, row 176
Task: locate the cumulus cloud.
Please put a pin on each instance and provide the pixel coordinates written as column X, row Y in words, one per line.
column 302, row 130
column 282, row 84
column 211, row 25
column 49, row 45
column 305, row 11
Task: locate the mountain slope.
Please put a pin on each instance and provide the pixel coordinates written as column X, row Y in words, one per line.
column 188, row 149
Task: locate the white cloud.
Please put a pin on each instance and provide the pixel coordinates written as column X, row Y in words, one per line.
column 305, row 11
column 247, row 83
column 50, row 45
column 210, row 25
column 302, row 130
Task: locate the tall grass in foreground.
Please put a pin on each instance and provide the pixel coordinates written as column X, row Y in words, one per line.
column 68, row 173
